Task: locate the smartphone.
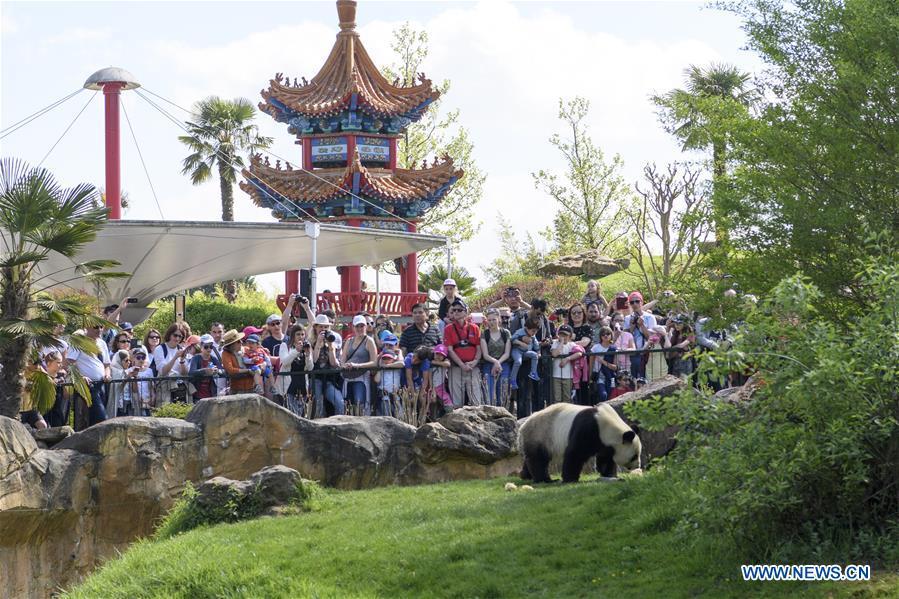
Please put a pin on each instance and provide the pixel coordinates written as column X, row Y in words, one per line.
column 132, row 300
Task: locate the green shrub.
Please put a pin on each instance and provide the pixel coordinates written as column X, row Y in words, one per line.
column 557, row 291
column 201, row 310
column 172, row 410
column 187, row 514
column 811, row 464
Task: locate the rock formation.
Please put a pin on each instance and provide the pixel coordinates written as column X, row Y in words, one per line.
column 64, row 510
column 655, row 443
column 585, row 264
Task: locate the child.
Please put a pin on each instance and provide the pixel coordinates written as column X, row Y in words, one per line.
column 418, row 368
column 525, row 345
column 623, row 384
column 256, row 359
column 594, row 296
column 562, row 371
column 390, row 358
column 142, row 396
column 440, row 364
column 602, row 363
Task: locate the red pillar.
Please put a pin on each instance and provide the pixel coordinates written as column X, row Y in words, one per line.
column 392, row 164
column 307, row 153
column 409, row 281
column 111, row 93
column 351, row 278
column 350, row 150
column 291, row 281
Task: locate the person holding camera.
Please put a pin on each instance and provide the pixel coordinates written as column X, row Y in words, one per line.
column 296, row 358
column 463, row 339
column 326, row 388
column 639, row 323
column 204, row 366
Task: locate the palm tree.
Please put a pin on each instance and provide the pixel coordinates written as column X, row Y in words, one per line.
column 696, row 115
column 38, row 218
column 434, row 278
column 221, row 134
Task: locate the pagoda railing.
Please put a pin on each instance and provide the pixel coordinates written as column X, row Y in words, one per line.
column 350, row 303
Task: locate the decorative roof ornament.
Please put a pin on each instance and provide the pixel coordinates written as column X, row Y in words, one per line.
column 346, row 12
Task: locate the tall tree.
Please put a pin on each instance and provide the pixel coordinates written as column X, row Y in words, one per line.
column 701, row 114
column 670, row 227
column 38, row 218
column 219, row 137
column 435, row 135
column 520, row 253
column 818, row 170
column 593, row 195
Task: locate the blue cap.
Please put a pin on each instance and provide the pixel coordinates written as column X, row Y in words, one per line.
column 389, row 339
column 252, row 338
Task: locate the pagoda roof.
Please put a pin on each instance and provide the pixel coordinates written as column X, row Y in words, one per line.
column 265, row 183
column 349, row 80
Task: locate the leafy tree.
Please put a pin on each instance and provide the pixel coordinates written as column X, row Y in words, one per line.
column 818, row 167
column 433, row 136
column 701, row 114
column 37, row 218
column 670, row 226
column 519, row 254
column 593, row 194
column 433, row 279
column 221, row 133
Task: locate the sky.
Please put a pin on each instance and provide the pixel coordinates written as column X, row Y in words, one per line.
column 509, row 63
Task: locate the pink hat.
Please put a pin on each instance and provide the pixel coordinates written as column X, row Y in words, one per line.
column 251, row 330
column 441, row 349
column 635, row 295
column 192, row 340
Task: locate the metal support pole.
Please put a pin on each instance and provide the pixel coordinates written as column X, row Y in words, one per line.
column 313, row 230
column 449, row 260
column 113, row 171
column 378, row 288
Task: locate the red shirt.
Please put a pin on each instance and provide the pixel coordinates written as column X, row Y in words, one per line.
column 463, row 339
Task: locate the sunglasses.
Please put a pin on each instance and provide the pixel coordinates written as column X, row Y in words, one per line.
column 275, row 323
column 178, row 335
column 153, row 337
column 635, row 302
column 208, row 346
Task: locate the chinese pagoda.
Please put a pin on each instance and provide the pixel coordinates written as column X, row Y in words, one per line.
column 347, row 120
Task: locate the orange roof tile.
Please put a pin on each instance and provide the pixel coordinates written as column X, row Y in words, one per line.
column 348, row 70
column 304, row 187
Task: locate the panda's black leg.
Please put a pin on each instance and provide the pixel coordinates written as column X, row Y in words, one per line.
column 537, row 462
column 606, row 465
column 572, row 465
column 525, row 472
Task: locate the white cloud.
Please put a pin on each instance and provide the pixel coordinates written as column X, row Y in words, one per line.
column 77, row 35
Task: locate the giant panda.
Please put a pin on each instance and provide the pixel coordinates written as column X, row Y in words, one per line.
column 572, row 434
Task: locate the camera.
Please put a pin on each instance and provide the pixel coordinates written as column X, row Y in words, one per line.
column 302, row 299
column 306, row 345
column 561, row 312
column 330, row 337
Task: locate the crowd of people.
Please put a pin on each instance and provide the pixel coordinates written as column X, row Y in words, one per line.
column 515, row 354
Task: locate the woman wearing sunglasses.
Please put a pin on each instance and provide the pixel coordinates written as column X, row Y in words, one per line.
column 151, row 341
column 203, row 368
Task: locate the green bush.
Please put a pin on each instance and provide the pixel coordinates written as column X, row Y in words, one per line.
column 557, row 291
column 811, row 463
column 187, row 514
column 172, row 410
column 250, row 307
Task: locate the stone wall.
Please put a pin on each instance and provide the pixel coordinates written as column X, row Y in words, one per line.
column 65, row 510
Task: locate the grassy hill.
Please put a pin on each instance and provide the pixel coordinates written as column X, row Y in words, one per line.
column 465, row 539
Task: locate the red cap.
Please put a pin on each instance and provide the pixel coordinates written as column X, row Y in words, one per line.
column 635, row 295
column 251, row 330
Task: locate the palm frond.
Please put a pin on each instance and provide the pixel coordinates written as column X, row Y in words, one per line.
column 42, row 389
column 80, row 384
column 10, row 259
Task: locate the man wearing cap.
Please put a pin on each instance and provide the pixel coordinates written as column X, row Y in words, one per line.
column 449, row 296
column 463, row 340
column 420, row 332
column 639, row 323
column 518, row 308
column 273, row 342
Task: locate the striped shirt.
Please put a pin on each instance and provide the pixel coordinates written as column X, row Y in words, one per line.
column 413, row 337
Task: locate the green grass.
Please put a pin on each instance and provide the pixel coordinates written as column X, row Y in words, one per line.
column 466, row 539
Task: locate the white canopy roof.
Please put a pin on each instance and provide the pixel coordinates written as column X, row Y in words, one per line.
column 164, row 257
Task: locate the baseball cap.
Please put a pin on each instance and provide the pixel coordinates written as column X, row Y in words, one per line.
column 322, row 319
column 449, row 282
column 359, row 319
column 140, row 350
column 459, row 302
column 566, row 329
column 126, row 326
column 272, row 317
column 251, row 330
column 635, row 295
column 192, row 340
column 207, row 338
column 387, row 357
column 441, row 349
column 253, row 338
column 390, row 339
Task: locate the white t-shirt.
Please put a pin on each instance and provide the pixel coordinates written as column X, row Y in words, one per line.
column 596, row 349
column 649, row 321
column 89, row 365
column 559, row 371
column 160, row 359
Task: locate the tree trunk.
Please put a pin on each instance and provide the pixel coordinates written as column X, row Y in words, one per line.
column 719, row 170
column 12, row 355
column 227, row 191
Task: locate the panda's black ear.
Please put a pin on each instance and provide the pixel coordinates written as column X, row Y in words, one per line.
column 628, row 437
